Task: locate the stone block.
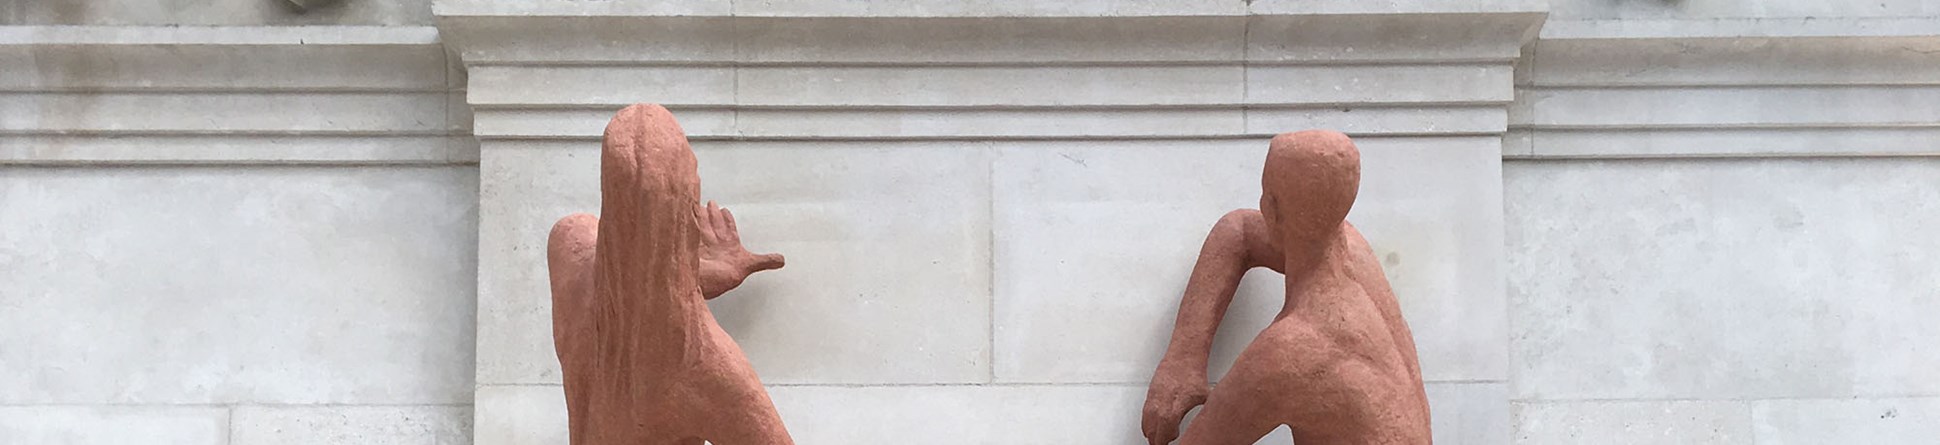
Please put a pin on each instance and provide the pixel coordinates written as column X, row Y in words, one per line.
column 1714, row 279
column 1816, row 421
column 341, row 424
column 213, row 285
column 111, row 425
column 1633, row 422
column 520, row 415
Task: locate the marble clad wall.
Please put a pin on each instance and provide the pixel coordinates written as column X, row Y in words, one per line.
column 1715, row 218
column 232, row 235
column 993, row 217
column 226, row 222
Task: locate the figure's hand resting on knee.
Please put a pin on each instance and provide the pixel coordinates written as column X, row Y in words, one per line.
column 724, row 262
column 1174, row 392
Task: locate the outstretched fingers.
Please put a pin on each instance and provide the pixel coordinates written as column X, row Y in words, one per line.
column 704, row 215
column 733, row 232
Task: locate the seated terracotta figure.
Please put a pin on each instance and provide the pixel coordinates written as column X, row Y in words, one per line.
column 1337, row 365
column 643, row 359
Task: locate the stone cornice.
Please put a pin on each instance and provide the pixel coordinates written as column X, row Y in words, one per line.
column 973, row 9
column 1314, row 38
column 1730, row 88
column 162, row 95
column 1038, row 77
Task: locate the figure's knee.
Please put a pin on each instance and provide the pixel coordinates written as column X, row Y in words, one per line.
column 575, row 231
column 569, row 263
column 1228, row 421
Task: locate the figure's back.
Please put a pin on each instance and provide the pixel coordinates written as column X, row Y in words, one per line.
column 1350, row 372
column 644, row 361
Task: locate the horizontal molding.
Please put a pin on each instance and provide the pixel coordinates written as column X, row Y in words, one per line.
column 225, row 58
column 1365, row 142
column 84, row 68
column 1656, row 96
column 230, row 95
column 979, row 9
column 236, row 149
column 1294, row 39
column 1789, row 27
column 218, row 35
column 743, row 123
column 290, row 113
column 1823, row 61
column 555, row 73
column 990, row 64
column 1727, row 106
column 993, row 86
column 1724, row 142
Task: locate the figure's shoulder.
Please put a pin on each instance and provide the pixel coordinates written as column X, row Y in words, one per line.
column 1241, row 216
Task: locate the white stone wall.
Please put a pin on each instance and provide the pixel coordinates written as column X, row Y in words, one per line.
column 1653, row 222
column 1717, row 219
column 237, row 236
column 989, row 220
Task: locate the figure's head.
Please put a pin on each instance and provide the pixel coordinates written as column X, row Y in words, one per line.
column 1309, row 184
column 649, row 185
column 644, row 154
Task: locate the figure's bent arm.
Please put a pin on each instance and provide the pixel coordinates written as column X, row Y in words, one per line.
column 1237, row 243
column 1230, row 250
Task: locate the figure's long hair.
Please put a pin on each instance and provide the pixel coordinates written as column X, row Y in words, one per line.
column 649, row 242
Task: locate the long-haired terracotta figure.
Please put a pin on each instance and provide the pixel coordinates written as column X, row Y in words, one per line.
column 644, row 360
column 1337, row 366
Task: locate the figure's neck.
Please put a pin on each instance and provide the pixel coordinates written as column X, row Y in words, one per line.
column 1309, row 266
column 1304, row 254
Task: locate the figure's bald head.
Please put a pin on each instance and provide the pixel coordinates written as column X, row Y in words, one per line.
column 1310, row 182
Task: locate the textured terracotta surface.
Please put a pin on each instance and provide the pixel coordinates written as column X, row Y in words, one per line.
column 1337, row 365
column 644, row 360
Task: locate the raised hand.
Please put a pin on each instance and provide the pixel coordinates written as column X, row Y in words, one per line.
column 724, row 262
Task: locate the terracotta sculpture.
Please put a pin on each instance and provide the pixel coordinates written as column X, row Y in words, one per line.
column 644, row 360
column 1337, row 366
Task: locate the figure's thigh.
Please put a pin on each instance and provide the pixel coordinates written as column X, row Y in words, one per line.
column 749, row 419
column 569, row 260
column 682, row 441
column 739, row 405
